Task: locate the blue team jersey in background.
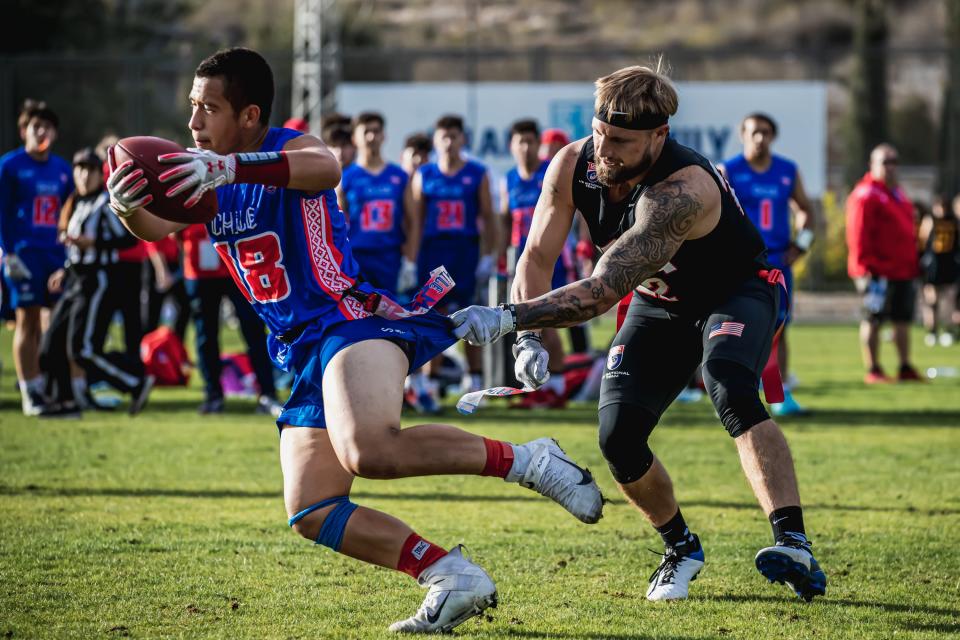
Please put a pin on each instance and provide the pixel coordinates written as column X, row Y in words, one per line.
column 452, row 202
column 522, row 196
column 375, row 203
column 288, row 252
column 31, row 195
column 375, row 206
column 765, row 198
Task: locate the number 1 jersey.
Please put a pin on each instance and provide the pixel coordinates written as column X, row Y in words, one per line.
column 765, row 197
column 287, row 250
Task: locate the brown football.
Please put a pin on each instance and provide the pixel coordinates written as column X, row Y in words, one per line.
column 143, row 150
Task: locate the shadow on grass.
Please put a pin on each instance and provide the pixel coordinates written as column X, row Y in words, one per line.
column 701, row 415
column 827, row 601
column 144, row 492
column 686, row 417
column 600, row 635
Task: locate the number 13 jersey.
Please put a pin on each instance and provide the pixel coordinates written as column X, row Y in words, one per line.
column 287, row 250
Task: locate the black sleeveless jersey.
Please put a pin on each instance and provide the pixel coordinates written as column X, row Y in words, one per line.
column 704, row 272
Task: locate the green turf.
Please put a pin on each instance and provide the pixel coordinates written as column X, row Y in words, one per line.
column 169, row 525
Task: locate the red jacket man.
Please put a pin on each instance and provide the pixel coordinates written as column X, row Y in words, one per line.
column 882, row 259
column 881, row 236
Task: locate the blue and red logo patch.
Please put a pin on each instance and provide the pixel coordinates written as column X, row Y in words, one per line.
column 591, row 172
column 615, row 356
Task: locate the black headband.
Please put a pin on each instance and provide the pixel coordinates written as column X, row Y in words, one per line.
column 642, row 122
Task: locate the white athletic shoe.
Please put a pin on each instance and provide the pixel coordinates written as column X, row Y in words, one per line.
column 671, row 580
column 553, row 474
column 459, row 590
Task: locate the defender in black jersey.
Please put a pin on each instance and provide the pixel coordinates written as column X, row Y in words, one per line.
column 675, row 239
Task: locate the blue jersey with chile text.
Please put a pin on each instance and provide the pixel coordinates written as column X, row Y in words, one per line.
column 765, row 198
column 288, row 252
column 31, row 195
column 452, row 202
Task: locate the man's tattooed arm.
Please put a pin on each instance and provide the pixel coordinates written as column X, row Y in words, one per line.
column 665, row 215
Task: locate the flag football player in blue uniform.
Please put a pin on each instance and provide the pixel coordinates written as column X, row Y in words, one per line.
column 375, row 198
column 34, row 183
column 769, row 187
column 671, row 231
column 285, row 242
column 539, row 355
column 452, row 197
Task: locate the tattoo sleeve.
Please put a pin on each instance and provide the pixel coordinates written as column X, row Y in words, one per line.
column 665, row 214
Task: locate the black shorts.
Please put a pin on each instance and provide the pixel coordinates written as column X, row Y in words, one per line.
column 899, row 302
column 655, row 354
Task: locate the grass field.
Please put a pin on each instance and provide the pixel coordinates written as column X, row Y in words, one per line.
column 172, row 525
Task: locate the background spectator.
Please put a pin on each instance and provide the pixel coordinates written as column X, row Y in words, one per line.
column 940, row 263
column 882, row 260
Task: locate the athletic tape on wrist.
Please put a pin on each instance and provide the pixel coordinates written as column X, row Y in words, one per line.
column 271, row 168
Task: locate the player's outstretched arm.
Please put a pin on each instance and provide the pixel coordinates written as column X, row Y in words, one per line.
column 687, row 204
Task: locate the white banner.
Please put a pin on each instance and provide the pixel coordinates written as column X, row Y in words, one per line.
column 708, row 119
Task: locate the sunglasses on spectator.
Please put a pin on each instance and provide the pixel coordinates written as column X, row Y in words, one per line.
column 891, row 161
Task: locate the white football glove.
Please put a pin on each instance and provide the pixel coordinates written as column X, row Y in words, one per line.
column 204, row 170
column 484, row 268
column 530, row 367
column 407, row 278
column 125, row 186
column 16, row 269
column 482, row 325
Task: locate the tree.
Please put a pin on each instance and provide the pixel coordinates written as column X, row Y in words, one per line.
column 868, row 86
column 949, row 174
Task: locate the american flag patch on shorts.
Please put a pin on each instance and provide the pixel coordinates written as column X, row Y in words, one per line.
column 726, row 329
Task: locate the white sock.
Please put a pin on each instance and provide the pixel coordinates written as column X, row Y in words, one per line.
column 521, row 460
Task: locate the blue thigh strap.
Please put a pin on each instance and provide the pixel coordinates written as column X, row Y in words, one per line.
column 320, row 505
column 331, row 531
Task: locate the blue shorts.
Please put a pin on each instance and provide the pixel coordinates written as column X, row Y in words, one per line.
column 33, row 291
column 425, row 337
column 460, row 255
column 379, row 267
column 776, row 261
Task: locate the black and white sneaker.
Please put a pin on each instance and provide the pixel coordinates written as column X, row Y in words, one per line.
column 211, row 406
column 269, row 406
column 791, row 562
column 140, row 395
column 60, row 411
column 678, row 568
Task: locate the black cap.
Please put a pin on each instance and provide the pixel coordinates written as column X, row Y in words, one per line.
column 87, row 156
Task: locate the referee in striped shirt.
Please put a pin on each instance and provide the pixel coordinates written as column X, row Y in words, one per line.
column 79, row 324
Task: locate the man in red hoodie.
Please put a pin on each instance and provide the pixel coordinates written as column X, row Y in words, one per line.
column 882, row 260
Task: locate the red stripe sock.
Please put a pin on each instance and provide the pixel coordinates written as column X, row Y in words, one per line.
column 499, row 458
column 418, row 554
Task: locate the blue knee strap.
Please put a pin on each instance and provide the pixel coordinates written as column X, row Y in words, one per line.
column 320, row 505
column 331, row 532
